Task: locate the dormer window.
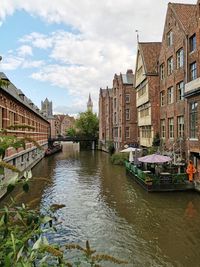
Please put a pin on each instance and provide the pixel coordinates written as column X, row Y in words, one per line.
column 169, row 38
column 192, row 43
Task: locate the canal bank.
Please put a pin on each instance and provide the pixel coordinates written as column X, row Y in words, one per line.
column 108, row 208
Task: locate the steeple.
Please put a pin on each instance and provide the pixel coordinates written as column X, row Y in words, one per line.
column 89, row 104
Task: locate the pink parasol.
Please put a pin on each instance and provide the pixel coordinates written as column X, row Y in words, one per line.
column 154, row 158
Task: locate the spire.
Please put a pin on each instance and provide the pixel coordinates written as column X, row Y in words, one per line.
column 89, row 104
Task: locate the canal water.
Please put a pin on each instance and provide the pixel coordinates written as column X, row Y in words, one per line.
column 106, row 207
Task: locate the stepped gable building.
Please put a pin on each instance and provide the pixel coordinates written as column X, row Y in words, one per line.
column 89, row 104
column 105, row 116
column 176, row 67
column 192, row 89
column 124, row 110
column 46, row 108
column 147, row 91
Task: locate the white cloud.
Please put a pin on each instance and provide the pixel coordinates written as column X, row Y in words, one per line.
column 25, row 50
column 105, row 43
column 11, row 63
column 37, row 40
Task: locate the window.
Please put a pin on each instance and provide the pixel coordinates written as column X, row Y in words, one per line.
column 162, row 98
column 193, row 120
column 180, row 91
column 179, row 58
column 115, row 102
column 146, row 131
column 162, row 126
column 115, row 132
column 11, row 118
column 115, row 117
column 142, row 91
column 171, row 128
column 192, row 43
column 170, row 65
column 169, row 38
column 170, row 95
column 127, row 132
column 162, row 75
column 180, row 126
column 144, row 110
column 193, row 71
column 127, row 98
column 127, row 114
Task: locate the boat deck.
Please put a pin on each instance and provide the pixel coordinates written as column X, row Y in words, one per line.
column 163, row 182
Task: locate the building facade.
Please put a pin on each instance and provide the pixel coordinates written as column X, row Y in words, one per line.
column 174, row 64
column 17, row 109
column 62, row 124
column 124, row 111
column 192, row 91
column 105, row 117
column 147, row 91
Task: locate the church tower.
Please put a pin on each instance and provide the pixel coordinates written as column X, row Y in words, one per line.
column 46, row 107
column 89, row 104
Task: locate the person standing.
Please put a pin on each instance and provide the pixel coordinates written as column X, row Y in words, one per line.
column 190, row 171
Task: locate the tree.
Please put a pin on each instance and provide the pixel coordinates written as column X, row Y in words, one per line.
column 87, row 124
column 71, row 132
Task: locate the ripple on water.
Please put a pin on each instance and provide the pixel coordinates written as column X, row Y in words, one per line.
column 108, row 208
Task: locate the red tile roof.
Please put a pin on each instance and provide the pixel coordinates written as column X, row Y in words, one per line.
column 186, row 14
column 150, row 54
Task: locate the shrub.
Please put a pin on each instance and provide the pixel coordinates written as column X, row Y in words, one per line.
column 119, row 158
column 111, row 147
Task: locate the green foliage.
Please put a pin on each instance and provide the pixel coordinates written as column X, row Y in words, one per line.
column 87, row 124
column 111, row 147
column 20, row 126
column 7, row 141
column 4, row 83
column 119, row 158
column 156, row 140
column 71, row 132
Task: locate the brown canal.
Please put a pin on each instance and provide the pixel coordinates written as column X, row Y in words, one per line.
column 106, row 207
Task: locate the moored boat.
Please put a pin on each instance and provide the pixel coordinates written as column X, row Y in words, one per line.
column 164, row 181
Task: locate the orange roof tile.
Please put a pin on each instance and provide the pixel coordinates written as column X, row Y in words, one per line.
column 186, row 14
column 150, row 52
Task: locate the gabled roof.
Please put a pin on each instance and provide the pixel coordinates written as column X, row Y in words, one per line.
column 185, row 13
column 150, row 53
column 128, row 78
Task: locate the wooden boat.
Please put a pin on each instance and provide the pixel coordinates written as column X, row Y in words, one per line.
column 53, row 149
column 164, row 181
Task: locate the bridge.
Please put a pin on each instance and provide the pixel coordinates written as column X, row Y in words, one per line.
column 73, row 139
column 76, row 139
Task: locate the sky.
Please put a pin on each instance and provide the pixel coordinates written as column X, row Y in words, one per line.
column 66, row 49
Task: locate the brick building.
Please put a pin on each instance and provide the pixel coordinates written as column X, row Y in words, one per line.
column 17, row 109
column 174, row 63
column 105, row 116
column 124, row 110
column 147, row 91
column 63, row 123
column 192, row 90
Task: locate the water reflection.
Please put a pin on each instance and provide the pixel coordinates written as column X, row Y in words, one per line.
column 107, row 207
